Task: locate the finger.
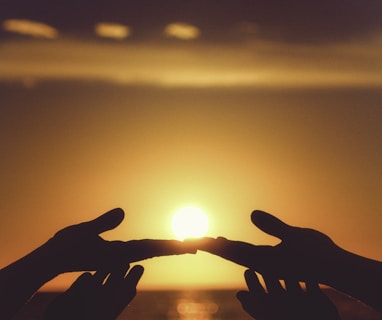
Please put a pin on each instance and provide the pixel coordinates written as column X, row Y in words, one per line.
column 136, row 250
column 121, row 289
column 82, row 281
column 132, row 279
column 253, row 283
column 100, row 277
column 273, row 285
column 241, row 295
column 270, row 224
column 293, row 287
column 247, row 301
column 313, row 287
column 82, row 286
column 135, row 274
column 245, row 298
column 105, row 222
column 242, row 253
column 125, row 290
column 116, row 276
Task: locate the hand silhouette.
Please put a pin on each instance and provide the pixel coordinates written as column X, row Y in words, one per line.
column 101, row 296
column 277, row 303
column 77, row 248
column 304, row 255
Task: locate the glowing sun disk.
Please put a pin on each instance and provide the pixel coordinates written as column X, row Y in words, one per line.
column 189, row 222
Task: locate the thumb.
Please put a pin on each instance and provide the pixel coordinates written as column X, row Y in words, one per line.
column 105, row 222
column 270, row 224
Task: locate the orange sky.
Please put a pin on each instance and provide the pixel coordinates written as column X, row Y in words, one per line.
column 312, row 158
column 292, row 128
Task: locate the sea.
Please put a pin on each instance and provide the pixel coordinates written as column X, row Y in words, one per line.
column 195, row 305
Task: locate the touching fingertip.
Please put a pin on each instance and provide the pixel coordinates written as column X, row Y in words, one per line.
column 190, row 245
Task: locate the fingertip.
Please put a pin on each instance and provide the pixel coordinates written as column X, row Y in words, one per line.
column 107, row 221
column 258, row 216
column 140, row 268
column 195, row 244
column 137, row 271
column 250, row 276
column 240, row 295
column 269, row 223
column 118, row 214
column 189, row 245
column 248, row 272
column 85, row 276
column 82, row 281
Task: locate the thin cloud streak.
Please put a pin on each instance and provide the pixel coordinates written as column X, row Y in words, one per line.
column 255, row 63
column 112, row 30
column 30, row 28
column 294, row 20
column 182, row 30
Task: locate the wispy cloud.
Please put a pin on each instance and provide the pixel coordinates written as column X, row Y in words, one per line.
column 256, row 63
column 30, row 28
column 292, row 20
column 112, row 30
column 182, row 30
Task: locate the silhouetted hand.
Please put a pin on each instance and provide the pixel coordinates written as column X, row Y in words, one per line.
column 77, row 248
column 304, row 255
column 277, row 303
column 101, row 296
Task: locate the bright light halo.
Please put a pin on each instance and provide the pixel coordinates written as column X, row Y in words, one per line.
column 189, row 222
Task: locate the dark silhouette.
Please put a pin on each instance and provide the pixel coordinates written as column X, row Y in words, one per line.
column 291, row 302
column 101, row 296
column 77, row 248
column 304, row 255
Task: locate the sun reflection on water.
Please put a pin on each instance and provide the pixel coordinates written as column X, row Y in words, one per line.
column 189, row 309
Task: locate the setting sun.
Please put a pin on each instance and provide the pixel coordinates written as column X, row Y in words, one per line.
column 189, row 222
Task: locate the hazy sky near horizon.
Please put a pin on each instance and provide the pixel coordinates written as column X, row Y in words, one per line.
column 227, row 106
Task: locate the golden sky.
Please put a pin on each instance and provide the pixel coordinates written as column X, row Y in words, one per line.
column 249, row 63
column 157, row 115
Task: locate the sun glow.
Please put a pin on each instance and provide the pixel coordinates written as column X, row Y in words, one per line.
column 189, row 222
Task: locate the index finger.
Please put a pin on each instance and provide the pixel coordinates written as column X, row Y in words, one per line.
column 242, row 253
column 137, row 250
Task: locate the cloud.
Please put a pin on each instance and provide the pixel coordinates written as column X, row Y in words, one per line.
column 181, row 30
column 291, row 21
column 194, row 64
column 31, row 28
column 112, row 30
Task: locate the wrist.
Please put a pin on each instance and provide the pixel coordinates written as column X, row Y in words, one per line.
column 40, row 263
column 47, row 257
column 21, row 279
column 356, row 276
column 339, row 267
